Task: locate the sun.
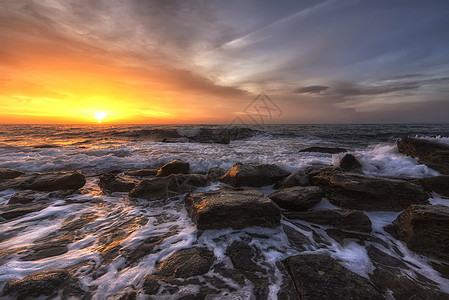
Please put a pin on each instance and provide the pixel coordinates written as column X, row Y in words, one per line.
column 99, row 116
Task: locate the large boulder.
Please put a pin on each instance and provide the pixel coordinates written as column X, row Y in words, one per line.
column 236, row 209
column 344, row 219
column 46, row 181
column 436, row 184
column 298, row 178
column 350, row 164
column 330, row 150
column 356, row 191
column 321, row 277
column 142, row 172
column 431, row 153
column 36, row 285
column 425, row 229
column 165, row 187
column 186, row 263
column 215, row 173
column 253, row 175
column 176, row 166
column 110, row 183
column 6, row 173
column 298, row 198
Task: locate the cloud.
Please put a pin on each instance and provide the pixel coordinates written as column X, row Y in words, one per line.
column 313, row 89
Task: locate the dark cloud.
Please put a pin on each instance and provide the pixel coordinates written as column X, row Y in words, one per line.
column 313, row 89
column 349, row 89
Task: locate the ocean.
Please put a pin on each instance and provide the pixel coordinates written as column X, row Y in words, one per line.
column 100, row 148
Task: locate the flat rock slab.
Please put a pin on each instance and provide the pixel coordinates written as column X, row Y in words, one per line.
column 344, row 219
column 165, row 187
column 142, row 172
column 431, row 153
column 425, row 229
column 236, row 209
column 436, row 184
column 6, row 173
column 298, row 178
column 15, row 211
column 298, row 198
column 330, row 150
column 176, row 166
column 186, row 263
column 36, row 284
column 253, row 175
column 321, row 277
column 355, row 191
column 46, row 181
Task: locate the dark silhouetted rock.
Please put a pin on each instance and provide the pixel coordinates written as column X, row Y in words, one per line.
column 431, row 153
column 298, row 198
column 331, row 150
column 296, row 238
column 165, row 187
column 236, row 209
column 174, row 167
column 321, row 277
column 425, row 229
column 177, row 140
column 298, row 178
column 22, row 198
column 344, row 219
column 254, row 175
column 110, row 183
column 9, row 173
column 46, row 181
column 350, row 164
column 186, row 263
column 355, row 191
column 142, row 172
column 37, row 284
column 215, row 173
column 436, row 184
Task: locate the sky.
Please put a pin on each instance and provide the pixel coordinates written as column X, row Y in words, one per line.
column 141, row 61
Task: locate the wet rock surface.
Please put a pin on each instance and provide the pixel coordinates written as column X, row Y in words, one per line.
column 355, row 191
column 46, row 181
column 425, row 229
column 253, row 175
column 431, row 153
column 165, row 187
column 236, row 209
column 350, row 164
column 174, row 167
column 6, row 173
column 37, row 284
column 186, row 263
column 344, row 219
column 436, row 184
column 142, row 172
column 111, row 183
column 215, row 173
column 321, row 277
column 298, row 198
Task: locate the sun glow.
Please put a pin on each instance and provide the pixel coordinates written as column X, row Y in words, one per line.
column 99, row 116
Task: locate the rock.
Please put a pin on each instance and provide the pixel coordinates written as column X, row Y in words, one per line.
column 214, row 174
column 331, row 150
column 298, row 198
column 431, row 153
column 46, row 181
column 186, row 263
column 298, row 178
column 165, row 187
column 436, row 184
column 253, row 174
column 151, row 284
column 15, row 212
column 177, row 140
column 142, row 172
column 110, row 183
column 236, row 209
column 37, row 284
column 296, row 238
column 174, row 167
column 356, row 191
column 425, row 229
column 6, row 173
column 344, row 219
column 321, row 277
column 22, row 198
column 350, row 164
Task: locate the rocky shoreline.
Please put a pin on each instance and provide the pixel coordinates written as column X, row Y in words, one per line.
column 293, row 209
